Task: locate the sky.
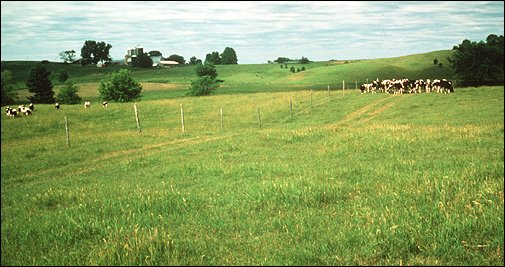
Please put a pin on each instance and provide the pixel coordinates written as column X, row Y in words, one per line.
column 257, row 31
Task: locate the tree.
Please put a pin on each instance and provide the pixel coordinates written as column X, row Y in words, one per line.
column 194, row 61
column 63, row 76
column 120, row 87
column 479, row 63
column 8, row 93
column 177, row 58
column 282, row 60
column 87, row 51
column 206, row 82
column 213, row 58
column 304, row 60
column 101, row 53
column 229, row 56
column 68, row 94
column 202, row 86
column 206, row 69
column 143, row 61
column 67, row 56
column 435, row 61
column 93, row 52
column 38, row 83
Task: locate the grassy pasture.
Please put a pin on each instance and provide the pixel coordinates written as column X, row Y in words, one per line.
column 370, row 179
column 246, row 78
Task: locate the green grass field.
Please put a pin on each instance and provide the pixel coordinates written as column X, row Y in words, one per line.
column 352, row 179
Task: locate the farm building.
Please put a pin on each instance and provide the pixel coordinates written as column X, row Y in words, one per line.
column 132, row 54
column 167, row 63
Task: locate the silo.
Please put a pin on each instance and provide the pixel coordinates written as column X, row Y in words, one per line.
column 140, row 50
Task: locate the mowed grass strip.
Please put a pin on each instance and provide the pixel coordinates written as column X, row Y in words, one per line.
column 360, row 179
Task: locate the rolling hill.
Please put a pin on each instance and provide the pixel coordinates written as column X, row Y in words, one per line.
column 249, row 78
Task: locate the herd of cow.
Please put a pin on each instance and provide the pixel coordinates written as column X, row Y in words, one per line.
column 402, row 86
column 405, row 86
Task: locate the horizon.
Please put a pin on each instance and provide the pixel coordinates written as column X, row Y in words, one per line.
column 258, row 31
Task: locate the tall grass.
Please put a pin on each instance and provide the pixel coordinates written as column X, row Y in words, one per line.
column 370, row 179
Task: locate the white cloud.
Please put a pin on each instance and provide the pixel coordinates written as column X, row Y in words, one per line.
column 318, row 30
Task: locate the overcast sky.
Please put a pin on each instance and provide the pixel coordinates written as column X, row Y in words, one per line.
column 257, row 31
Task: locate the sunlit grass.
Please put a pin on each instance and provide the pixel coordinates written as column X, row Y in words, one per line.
column 354, row 180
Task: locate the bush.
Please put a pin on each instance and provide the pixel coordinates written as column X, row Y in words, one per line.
column 204, row 85
column 206, row 69
column 120, row 87
column 63, row 77
column 68, row 94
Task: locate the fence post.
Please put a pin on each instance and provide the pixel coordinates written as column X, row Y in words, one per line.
column 311, row 98
column 343, row 87
column 221, row 119
column 328, row 92
column 66, row 130
column 182, row 119
column 259, row 117
column 291, row 107
column 137, row 117
column 356, row 87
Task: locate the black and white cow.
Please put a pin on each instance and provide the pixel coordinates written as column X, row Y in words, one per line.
column 31, row 107
column 24, row 110
column 56, row 106
column 105, row 104
column 11, row 112
column 87, row 104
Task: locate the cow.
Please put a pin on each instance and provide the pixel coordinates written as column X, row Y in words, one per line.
column 446, row 86
column 24, row 110
column 11, row 112
column 31, row 107
column 87, row 104
column 105, row 104
column 56, row 106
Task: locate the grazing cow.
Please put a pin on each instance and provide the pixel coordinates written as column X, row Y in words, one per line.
column 56, row 106
column 105, row 104
column 446, row 86
column 24, row 110
column 87, row 104
column 11, row 112
column 31, row 107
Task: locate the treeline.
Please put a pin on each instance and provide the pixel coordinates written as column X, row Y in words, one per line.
column 284, row 60
column 479, row 63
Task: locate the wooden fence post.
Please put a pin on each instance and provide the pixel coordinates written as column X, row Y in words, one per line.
column 311, row 98
column 222, row 119
column 343, row 87
column 291, row 107
column 182, row 119
column 137, row 117
column 259, row 117
column 328, row 92
column 66, row 130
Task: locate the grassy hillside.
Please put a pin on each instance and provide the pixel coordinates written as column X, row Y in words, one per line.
column 249, row 78
column 371, row 179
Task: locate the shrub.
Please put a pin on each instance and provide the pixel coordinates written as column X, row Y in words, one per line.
column 204, row 85
column 68, row 94
column 120, row 87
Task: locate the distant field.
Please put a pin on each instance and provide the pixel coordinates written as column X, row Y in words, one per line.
column 253, row 78
column 352, row 179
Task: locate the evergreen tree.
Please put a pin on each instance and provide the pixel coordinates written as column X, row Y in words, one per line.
column 8, row 93
column 38, row 83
